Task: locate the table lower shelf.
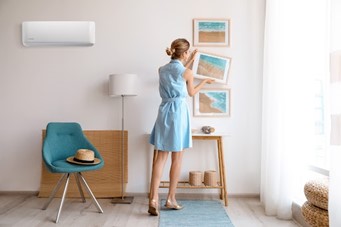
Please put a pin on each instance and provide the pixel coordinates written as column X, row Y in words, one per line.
column 185, row 184
column 221, row 184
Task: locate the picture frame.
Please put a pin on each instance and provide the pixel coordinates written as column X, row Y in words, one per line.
column 211, row 32
column 210, row 66
column 212, row 102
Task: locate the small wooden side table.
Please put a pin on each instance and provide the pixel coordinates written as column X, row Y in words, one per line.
column 221, row 184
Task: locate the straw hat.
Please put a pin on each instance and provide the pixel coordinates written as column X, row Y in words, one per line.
column 84, row 157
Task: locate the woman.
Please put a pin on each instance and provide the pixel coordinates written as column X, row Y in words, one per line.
column 172, row 130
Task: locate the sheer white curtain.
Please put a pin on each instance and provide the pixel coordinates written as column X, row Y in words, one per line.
column 335, row 95
column 290, row 65
column 335, row 148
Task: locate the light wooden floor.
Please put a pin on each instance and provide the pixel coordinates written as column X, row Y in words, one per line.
column 25, row 210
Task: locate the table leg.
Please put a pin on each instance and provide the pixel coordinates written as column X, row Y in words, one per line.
column 222, row 170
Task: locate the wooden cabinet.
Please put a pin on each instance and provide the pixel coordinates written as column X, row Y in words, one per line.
column 105, row 182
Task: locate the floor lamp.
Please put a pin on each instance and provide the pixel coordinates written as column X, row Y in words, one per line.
column 122, row 85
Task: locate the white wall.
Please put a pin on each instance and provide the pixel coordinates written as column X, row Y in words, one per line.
column 43, row 84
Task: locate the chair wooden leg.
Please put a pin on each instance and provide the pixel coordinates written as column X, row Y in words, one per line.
column 90, row 193
column 63, row 197
column 55, row 190
column 79, row 187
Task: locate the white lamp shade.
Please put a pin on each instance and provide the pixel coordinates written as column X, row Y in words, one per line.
column 122, row 85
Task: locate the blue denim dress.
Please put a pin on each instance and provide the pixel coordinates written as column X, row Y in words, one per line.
column 172, row 129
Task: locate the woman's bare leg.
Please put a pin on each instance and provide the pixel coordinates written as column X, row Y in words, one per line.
column 174, row 175
column 158, row 166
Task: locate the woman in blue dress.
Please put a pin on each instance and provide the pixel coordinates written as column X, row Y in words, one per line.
column 172, row 130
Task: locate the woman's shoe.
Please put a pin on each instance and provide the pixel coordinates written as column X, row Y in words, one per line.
column 173, row 206
column 153, row 208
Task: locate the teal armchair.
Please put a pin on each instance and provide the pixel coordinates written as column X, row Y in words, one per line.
column 62, row 140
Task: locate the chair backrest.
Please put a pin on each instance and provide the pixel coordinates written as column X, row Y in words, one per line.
column 62, row 140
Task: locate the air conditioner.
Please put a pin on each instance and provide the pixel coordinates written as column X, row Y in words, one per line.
column 58, row 33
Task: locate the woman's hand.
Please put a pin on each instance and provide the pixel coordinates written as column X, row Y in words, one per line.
column 209, row 81
column 193, row 54
column 191, row 58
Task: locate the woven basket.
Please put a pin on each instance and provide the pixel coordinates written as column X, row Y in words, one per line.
column 210, row 178
column 316, row 192
column 315, row 216
column 195, row 178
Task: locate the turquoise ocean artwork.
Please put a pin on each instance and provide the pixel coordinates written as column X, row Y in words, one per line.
column 215, row 62
column 211, row 66
column 219, row 100
column 212, row 26
column 211, row 33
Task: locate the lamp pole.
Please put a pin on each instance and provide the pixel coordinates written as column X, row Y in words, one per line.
column 122, row 85
column 122, row 147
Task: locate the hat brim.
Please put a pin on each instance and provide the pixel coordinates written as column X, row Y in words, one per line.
column 70, row 159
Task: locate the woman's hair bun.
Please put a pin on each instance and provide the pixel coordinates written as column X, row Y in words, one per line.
column 177, row 48
column 169, row 51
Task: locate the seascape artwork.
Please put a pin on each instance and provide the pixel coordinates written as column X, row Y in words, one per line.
column 214, row 102
column 211, row 32
column 211, row 66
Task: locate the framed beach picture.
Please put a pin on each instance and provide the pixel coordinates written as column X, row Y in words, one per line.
column 211, row 66
column 212, row 103
column 211, row 32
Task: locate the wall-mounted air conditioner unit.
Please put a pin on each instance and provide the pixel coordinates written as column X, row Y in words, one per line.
column 58, row 33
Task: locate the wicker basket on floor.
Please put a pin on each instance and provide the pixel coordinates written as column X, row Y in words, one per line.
column 315, row 216
column 210, row 178
column 195, row 178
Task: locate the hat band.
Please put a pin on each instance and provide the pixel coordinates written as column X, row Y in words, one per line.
column 83, row 161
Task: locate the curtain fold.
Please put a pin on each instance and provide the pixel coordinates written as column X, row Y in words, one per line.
column 288, row 96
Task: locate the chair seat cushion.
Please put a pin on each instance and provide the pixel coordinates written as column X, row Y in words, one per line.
column 316, row 192
column 62, row 166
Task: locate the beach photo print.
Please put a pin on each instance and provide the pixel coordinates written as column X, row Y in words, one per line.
column 212, row 67
column 211, row 32
column 212, row 103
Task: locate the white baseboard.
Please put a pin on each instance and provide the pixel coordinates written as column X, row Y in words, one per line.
column 297, row 214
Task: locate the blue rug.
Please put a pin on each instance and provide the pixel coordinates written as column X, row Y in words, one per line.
column 195, row 213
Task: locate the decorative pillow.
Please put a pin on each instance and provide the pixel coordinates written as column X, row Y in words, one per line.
column 314, row 216
column 316, row 192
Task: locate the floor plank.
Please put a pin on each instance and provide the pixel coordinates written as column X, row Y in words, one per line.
column 25, row 210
